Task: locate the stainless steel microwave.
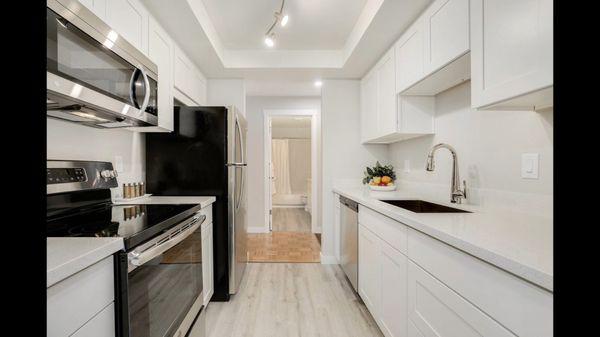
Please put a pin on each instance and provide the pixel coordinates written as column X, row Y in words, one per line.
column 93, row 75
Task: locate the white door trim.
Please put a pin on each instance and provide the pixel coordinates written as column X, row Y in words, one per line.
column 267, row 114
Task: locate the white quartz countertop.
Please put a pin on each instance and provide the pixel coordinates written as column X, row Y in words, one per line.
column 519, row 243
column 202, row 201
column 67, row 256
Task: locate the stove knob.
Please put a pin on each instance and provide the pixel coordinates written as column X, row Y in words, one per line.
column 106, row 174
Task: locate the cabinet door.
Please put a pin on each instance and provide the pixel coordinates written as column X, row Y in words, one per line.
column 207, row 263
column 336, row 226
column 393, row 317
column 511, row 50
column 369, row 106
column 437, row 310
column 101, row 325
column 447, row 37
column 160, row 51
column 386, row 95
column 129, row 18
column 98, row 7
column 409, row 56
column 369, row 275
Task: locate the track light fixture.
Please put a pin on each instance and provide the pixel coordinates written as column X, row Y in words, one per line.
column 280, row 18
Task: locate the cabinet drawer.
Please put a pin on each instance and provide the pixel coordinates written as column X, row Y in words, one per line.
column 389, row 230
column 436, row 310
column 207, row 211
column 73, row 301
column 102, row 325
column 518, row 305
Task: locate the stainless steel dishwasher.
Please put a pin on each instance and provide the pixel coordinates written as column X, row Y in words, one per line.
column 349, row 239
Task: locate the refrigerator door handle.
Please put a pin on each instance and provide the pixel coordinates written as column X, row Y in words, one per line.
column 240, row 165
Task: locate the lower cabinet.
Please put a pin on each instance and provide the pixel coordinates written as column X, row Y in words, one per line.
column 83, row 302
column 207, row 262
column 382, row 282
column 415, row 285
column 436, row 310
column 337, row 226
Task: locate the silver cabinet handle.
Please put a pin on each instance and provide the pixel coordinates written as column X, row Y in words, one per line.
column 236, row 164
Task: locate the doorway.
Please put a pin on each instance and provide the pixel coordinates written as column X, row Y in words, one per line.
column 290, row 169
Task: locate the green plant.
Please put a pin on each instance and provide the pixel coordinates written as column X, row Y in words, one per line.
column 379, row 171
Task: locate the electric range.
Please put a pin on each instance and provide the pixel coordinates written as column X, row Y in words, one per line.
column 158, row 276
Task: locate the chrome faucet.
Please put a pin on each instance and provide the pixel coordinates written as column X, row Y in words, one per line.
column 456, row 194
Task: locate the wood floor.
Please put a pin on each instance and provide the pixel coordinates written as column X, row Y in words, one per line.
column 284, row 247
column 287, row 219
column 291, row 300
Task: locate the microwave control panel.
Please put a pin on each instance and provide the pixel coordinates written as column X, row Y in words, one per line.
column 65, row 175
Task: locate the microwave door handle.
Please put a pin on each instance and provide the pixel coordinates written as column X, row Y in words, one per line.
column 147, row 91
column 139, row 258
column 132, row 88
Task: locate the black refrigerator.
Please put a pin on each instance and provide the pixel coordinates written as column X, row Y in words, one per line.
column 205, row 155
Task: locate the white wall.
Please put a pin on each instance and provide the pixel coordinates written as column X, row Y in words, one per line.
column 70, row 141
column 344, row 158
column 223, row 92
column 489, row 145
column 255, row 105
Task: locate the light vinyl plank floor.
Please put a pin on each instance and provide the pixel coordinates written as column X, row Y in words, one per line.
column 291, row 300
column 288, row 219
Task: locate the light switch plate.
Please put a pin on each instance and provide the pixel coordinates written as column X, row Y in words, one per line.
column 530, row 163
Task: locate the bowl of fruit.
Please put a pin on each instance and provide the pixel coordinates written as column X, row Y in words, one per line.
column 380, row 178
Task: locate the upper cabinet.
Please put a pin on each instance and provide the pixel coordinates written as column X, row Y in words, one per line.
column 512, row 54
column 433, row 54
column 129, row 18
column 189, row 84
column 410, row 56
column 387, row 117
column 98, row 7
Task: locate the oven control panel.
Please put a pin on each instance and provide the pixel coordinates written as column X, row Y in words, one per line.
column 65, row 175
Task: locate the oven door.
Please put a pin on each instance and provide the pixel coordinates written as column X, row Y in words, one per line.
column 75, row 56
column 164, row 282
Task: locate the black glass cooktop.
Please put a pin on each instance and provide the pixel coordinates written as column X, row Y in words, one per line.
column 134, row 223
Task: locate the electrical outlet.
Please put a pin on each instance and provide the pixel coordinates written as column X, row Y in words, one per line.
column 530, row 165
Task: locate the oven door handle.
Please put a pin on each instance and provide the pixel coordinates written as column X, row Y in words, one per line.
column 164, row 242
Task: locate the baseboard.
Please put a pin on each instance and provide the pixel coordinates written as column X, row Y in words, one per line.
column 255, row 230
column 328, row 259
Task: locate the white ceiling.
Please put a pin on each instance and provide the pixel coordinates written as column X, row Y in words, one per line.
column 313, row 24
column 290, row 122
column 325, row 39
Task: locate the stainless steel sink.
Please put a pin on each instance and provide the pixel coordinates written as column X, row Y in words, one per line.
column 422, row 206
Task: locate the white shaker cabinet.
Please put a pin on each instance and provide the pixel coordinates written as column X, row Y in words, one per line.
column 160, row 51
column 410, row 49
column 447, row 33
column 386, row 94
column 188, row 82
column 436, row 310
column 382, row 273
column 368, row 110
column 511, row 54
column 387, row 117
column 369, row 276
column 337, row 226
column 98, row 7
column 445, row 60
column 129, row 18
column 394, row 308
column 207, row 261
